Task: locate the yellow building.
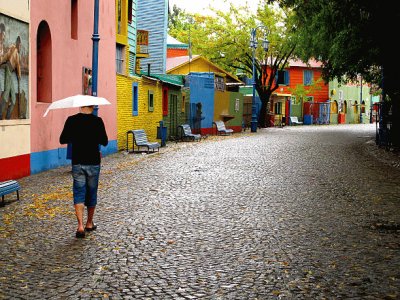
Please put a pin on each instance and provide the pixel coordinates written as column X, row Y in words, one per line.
column 227, row 104
column 139, row 98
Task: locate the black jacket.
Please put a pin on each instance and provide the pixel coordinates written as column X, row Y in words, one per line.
column 85, row 132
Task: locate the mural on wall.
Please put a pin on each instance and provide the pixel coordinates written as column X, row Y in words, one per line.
column 87, row 81
column 14, row 68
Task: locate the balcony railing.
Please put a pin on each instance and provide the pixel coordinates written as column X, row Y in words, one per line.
column 142, row 42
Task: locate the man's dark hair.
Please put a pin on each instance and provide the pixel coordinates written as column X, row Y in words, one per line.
column 18, row 41
column 2, row 27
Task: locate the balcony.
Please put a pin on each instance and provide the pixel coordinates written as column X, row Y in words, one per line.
column 142, row 45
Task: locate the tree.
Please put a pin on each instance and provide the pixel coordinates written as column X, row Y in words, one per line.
column 352, row 38
column 225, row 39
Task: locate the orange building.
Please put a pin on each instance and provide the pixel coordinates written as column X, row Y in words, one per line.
column 301, row 93
column 175, row 48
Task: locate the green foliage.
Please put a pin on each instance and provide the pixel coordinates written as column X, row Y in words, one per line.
column 350, row 37
column 224, row 38
column 300, row 91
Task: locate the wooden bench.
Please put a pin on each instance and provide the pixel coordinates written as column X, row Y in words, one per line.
column 8, row 187
column 221, row 129
column 186, row 133
column 295, row 121
column 140, row 140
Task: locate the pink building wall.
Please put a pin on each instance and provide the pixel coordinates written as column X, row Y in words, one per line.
column 69, row 56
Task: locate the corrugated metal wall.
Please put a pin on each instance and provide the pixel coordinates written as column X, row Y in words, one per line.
column 153, row 17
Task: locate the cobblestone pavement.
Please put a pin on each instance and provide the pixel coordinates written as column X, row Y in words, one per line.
column 304, row 212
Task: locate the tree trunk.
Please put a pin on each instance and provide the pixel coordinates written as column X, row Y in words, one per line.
column 262, row 118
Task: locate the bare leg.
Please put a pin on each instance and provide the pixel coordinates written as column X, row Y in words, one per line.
column 79, row 209
column 90, row 212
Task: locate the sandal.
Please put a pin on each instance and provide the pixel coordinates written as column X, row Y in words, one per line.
column 80, row 234
column 91, row 228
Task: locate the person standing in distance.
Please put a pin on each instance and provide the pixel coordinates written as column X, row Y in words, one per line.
column 85, row 132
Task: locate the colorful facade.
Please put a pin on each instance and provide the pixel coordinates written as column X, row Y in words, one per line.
column 175, row 48
column 51, row 70
column 212, row 93
column 139, row 97
column 345, row 104
column 15, row 120
column 57, row 72
column 301, row 93
column 152, row 16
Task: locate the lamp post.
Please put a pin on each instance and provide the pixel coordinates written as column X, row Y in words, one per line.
column 253, row 45
column 95, row 51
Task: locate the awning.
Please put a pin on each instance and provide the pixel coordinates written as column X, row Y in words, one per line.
column 283, row 95
column 234, row 83
column 226, row 118
column 176, row 80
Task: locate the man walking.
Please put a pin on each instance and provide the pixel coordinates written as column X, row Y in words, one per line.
column 85, row 132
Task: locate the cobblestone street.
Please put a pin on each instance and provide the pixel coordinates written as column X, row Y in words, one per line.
column 301, row 212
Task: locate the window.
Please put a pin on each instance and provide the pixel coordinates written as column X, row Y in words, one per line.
column 355, row 107
column 74, row 19
column 130, row 11
column 283, row 77
column 278, row 108
column 120, row 59
column 309, row 98
column 119, row 17
column 334, row 107
column 308, row 77
column 183, row 103
column 344, row 107
column 44, row 63
column 151, row 100
column 293, row 100
column 165, row 101
column 219, row 83
column 135, row 104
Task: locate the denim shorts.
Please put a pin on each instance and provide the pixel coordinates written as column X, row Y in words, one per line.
column 86, row 182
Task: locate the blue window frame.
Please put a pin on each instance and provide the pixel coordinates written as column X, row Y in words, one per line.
column 135, row 104
column 308, row 76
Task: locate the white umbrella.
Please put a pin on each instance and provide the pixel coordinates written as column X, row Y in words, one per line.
column 77, row 101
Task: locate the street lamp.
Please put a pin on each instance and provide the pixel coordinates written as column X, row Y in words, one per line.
column 253, row 45
column 95, row 51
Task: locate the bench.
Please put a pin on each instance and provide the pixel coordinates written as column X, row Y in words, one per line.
column 295, row 121
column 140, row 140
column 221, row 129
column 8, row 187
column 186, row 133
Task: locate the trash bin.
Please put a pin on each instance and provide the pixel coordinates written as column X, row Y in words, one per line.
column 308, row 119
column 162, row 133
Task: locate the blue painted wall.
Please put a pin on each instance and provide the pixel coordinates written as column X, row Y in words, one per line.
column 46, row 160
column 202, row 90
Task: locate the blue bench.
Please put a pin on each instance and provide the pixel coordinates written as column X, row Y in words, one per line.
column 8, row 187
column 186, row 133
column 221, row 129
column 140, row 139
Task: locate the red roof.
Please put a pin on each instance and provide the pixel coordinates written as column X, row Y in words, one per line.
column 311, row 63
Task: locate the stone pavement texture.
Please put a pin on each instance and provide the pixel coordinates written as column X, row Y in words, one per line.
column 303, row 212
